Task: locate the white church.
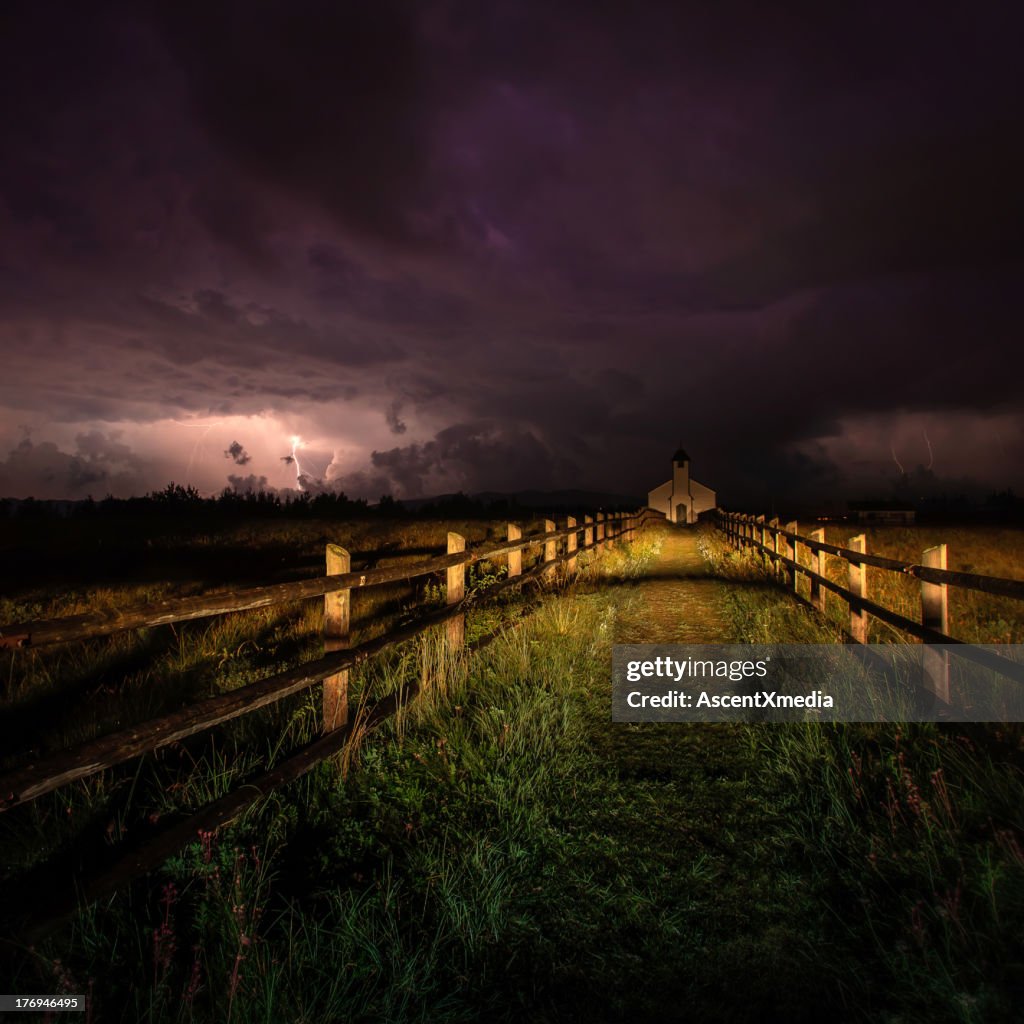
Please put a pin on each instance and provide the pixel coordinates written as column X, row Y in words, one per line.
column 681, row 499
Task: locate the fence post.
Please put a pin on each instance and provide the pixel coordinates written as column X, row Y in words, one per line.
column 588, row 531
column 550, row 546
column 337, row 620
column 818, row 592
column 515, row 558
column 763, row 538
column 935, row 615
column 858, row 588
column 570, row 545
column 773, row 523
column 792, row 576
column 599, row 531
column 456, row 592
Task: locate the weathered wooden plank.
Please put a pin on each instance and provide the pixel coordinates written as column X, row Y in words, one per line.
column 455, row 593
column 337, row 618
column 818, row 592
column 935, row 615
column 515, row 558
column 550, row 548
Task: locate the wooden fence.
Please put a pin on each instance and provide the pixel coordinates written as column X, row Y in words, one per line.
column 32, row 780
column 780, row 546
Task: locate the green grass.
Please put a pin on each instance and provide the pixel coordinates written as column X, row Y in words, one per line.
column 914, row 832
column 54, row 697
column 500, row 850
column 973, row 616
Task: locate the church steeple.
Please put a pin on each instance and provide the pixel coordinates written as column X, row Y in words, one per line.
column 681, row 499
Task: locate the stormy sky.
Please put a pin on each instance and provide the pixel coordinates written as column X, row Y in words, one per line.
column 413, row 248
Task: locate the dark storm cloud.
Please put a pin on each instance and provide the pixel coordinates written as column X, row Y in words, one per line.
column 902, row 207
column 236, row 452
column 256, row 333
column 236, row 218
column 320, row 97
column 392, row 416
column 543, row 242
column 482, row 455
column 100, row 464
column 343, row 284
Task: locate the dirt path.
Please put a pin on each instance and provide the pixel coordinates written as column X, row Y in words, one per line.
column 705, row 828
column 680, row 600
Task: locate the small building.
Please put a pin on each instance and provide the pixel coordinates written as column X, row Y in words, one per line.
column 681, row 499
column 886, row 513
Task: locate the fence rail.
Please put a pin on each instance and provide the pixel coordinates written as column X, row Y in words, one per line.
column 161, row 613
column 746, row 531
column 46, row 774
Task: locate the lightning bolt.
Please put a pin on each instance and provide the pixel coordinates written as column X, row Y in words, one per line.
column 899, row 465
column 296, row 445
column 200, row 442
column 931, row 454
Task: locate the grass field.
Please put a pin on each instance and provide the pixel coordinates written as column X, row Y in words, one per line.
column 53, row 697
column 914, row 833
column 501, row 850
column 973, row 616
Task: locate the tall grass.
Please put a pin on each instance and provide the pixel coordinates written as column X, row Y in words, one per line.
column 916, row 831
column 499, row 850
column 393, row 883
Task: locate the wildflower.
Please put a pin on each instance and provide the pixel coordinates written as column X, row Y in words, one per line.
column 206, row 841
column 195, row 978
column 63, row 977
column 164, row 948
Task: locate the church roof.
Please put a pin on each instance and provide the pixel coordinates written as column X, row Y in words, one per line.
column 680, row 456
